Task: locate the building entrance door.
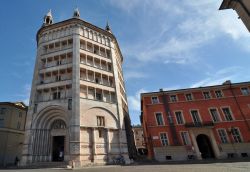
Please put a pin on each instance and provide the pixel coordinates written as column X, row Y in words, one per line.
column 58, row 148
column 205, row 146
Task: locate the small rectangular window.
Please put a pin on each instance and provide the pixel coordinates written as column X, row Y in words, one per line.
column 195, row 116
column 179, row 117
column 236, row 135
column 154, row 100
column 223, row 135
column 20, row 115
column 2, row 111
column 189, row 97
column 227, row 113
column 215, row 115
column 100, row 121
column 1, row 123
column 245, row 91
column 164, row 139
column 35, row 108
column 159, row 119
column 69, row 104
column 218, row 93
column 185, row 138
column 173, row 98
column 206, row 95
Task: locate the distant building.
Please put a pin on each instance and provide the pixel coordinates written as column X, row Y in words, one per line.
column 139, row 140
column 78, row 110
column 12, row 123
column 242, row 7
column 197, row 123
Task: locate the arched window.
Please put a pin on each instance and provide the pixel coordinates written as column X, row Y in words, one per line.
column 58, row 124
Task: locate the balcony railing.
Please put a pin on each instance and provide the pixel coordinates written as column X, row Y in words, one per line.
column 199, row 124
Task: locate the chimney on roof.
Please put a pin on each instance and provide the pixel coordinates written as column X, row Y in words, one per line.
column 161, row 90
column 227, row 82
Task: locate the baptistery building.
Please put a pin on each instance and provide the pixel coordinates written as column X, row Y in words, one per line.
column 78, row 109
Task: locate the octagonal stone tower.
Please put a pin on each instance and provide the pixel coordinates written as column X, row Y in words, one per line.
column 78, row 106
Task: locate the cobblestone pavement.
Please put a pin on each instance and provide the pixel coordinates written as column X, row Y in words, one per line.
column 214, row 167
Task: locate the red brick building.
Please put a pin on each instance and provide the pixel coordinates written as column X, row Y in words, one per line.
column 199, row 123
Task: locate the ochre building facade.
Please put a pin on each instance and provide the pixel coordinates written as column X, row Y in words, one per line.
column 78, row 100
column 139, row 140
column 197, row 123
column 12, row 126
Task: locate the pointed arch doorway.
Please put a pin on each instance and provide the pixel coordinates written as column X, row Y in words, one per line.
column 205, row 146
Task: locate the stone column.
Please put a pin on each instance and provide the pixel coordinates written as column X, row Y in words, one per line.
column 107, row 144
column 74, row 124
column 214, row 144
column 196, row 148
column 93, row 144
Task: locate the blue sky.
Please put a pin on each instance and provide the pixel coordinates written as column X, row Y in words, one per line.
column 165, row 44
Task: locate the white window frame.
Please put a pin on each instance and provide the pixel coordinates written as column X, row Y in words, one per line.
column 248, row 92
column 188, row 137
column 225, row 114
column 152, row 101
column 218, row 113
column 190, row 111
column 176, row 98
column 162, row 119
column 222, row 94
column 192, row 98
column 240, row 135
column 203, row 92
column 183, row 120
column 166, row 138
column 227, row 138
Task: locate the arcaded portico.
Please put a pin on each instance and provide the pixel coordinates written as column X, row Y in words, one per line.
column 78, row 106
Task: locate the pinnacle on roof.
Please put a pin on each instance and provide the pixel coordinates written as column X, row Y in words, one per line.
column 76, row 13
column 107, row 28
column 48, row 19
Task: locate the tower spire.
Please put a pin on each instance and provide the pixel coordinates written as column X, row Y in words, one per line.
column 107, row 28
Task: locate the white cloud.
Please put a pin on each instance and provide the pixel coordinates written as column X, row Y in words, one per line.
column 234, row 73
column 172, row 88
column 25, row 94
column 134, row 75
column 134, row 101
column 180, row 29
column 126, row 5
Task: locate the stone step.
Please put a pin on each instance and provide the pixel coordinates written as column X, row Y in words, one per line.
column 47, row 165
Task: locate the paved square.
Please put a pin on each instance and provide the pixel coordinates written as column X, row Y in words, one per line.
column 213, row 167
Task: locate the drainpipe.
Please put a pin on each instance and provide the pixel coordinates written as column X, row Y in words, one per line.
column 170, row 119
column 238, row 105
